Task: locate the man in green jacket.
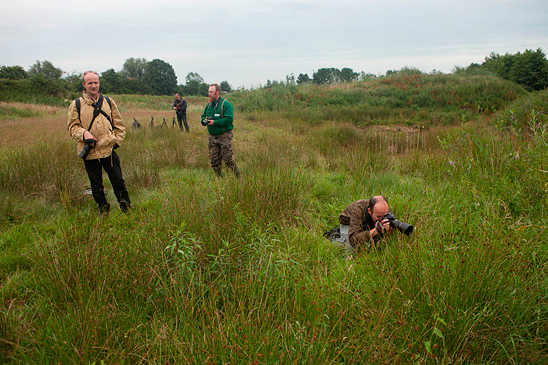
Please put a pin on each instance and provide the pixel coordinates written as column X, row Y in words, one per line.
column 218, row 116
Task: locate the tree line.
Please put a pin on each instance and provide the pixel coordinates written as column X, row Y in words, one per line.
column 137, row 76
column 529, row 69
column 157, row 77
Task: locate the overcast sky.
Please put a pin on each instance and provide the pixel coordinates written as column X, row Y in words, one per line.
column 247, row 42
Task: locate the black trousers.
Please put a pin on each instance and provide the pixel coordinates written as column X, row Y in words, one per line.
column 182, row 118
column 111, row 164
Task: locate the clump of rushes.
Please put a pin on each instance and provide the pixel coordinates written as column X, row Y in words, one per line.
column 206, row 270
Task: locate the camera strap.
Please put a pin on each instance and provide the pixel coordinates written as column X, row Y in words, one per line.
column 98, row 108
column 96, row 111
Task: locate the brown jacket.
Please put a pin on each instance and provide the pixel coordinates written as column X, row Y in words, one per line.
column 359, row 221
column 108, row 135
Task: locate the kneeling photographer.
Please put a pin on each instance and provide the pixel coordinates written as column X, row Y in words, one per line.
column 364, row 222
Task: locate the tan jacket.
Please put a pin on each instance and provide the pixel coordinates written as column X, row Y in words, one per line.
column 360, row 223
column 107, row 136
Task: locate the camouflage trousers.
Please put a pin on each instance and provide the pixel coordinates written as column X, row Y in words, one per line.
column 220, row 149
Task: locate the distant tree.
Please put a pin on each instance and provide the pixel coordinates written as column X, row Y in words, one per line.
column 46, row 86
column 365, row 76
column 474, row 69
column 134, row 68
column 290, row 79
column 225, row 86
column 326, row 76
column 530, row 69
column 45, row 69
column 195, row 84
column 348, row 75
column 110, row 82
column 194, row 77
column 160, row 77
column 405, row 71
column 303, row 79
column 73, row 82
column 13, row 72
column 268, row 84
column 499, row 65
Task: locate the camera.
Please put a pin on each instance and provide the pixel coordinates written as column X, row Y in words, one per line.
column 206, row 121
column 90, row 143
column 400, row 226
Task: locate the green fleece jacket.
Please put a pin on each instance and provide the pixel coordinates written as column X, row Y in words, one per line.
column 220, row 124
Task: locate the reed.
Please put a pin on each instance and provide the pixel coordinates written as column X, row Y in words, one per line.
column 206, row 270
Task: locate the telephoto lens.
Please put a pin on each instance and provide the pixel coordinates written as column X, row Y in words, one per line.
column 400, row 226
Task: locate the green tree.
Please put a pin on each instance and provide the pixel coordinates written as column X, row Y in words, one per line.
column 110, row 82
column 195, row 84
column 327, row 76
column 303, row 79
column 134, row 68
column 13, row 73
column 225, row 86
column 348, row 75
column 46, row 69
column 530, row 69
column 499, row 65
column 73, row 82
column 362, row 76
column 290, row 79
column 160, row 77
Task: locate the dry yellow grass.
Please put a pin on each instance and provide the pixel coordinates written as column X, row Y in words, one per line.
column 50, row 123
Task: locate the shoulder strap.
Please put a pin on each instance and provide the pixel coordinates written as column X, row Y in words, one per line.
column 98, row 109
column 109, row 102
column 78, row 106
column 222, row 108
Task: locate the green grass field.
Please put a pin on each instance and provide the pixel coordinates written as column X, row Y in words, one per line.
column 227, row 271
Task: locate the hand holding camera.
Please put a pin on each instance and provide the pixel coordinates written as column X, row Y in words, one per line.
column 379, row 227
column 405, row 228
column 90, row 143
column 206, row 121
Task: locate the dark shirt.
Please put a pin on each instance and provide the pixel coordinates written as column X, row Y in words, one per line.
column 180, row 105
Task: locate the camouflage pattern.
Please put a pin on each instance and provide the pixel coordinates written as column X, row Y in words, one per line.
column 220, row 149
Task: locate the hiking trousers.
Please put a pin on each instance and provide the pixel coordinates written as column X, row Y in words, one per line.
column 111, row 165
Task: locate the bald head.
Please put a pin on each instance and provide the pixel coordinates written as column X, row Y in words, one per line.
column 378, row 207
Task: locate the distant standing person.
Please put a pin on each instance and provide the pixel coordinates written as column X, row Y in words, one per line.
column 218, row 116
column 179, row 105
column 96, row 124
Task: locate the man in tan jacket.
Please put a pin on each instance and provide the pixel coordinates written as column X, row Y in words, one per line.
column 94, row 120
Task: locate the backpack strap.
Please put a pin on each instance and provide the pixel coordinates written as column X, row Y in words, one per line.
column 222, row 108
column 109, row 102
column 98, row 109
column 78, row 106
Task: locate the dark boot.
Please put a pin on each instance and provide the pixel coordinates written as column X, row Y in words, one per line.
column 103, row 210
column 125, row 206
column 236, row 171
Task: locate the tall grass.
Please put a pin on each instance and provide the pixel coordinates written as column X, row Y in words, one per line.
column 400, row 99
column 207, row 270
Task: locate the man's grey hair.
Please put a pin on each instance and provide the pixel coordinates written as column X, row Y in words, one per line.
column 89, row 72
